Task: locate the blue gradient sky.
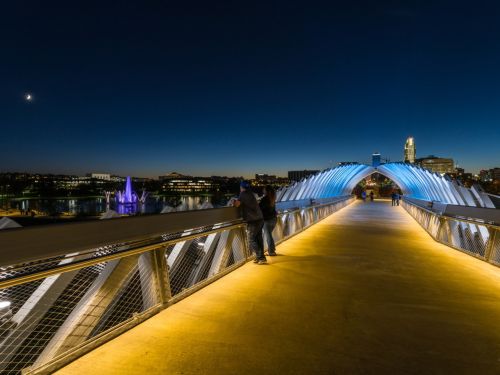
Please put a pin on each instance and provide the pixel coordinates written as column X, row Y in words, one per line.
column 239, row 88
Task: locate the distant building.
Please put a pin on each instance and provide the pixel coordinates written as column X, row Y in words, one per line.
column 103, row 178
column 282, row 181
column 261, row 177
column 262, row 180
column 463, row 176
column 438, row 165
column 74, row 181
column 118, row 178
column 485, row 175
column 491, row 180
column 375, row 159
column 495, row 174
column 100, row 176
column 178, row 183
column 466, row 177
column 299, row 175
column 410, row 151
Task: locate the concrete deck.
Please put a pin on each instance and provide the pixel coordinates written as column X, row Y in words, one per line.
column 366, row 291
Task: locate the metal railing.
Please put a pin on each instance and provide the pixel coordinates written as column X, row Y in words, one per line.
column 56, row 309
column 476, row 238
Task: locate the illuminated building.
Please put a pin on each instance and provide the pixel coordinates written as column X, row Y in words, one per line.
column 100, row 176
column 410, row 150
column 178, row 183
column 438, row 165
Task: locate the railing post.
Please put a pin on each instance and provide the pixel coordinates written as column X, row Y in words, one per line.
column 246, row 245
column 161, row 271
column 491, row 242
column 443, row 226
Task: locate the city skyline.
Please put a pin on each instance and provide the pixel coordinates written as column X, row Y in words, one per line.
column 249, row 173
column 238, row 89
column 242, row 172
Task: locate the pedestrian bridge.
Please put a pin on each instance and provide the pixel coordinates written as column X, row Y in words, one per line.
column 358, row 287
column 365, row 291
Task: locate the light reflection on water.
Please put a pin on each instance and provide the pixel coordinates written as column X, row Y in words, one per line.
column 97, row 206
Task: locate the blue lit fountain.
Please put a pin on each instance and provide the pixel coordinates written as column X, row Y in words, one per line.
column 126, row 196
column 127, row 199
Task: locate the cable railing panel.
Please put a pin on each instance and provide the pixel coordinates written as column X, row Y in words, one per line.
column 57, row 308
column 472, row 236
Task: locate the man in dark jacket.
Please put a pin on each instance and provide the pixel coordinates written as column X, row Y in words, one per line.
column 268, row 207
column 252, row 214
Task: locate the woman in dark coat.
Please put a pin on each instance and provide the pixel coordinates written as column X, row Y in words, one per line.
column 268, row 207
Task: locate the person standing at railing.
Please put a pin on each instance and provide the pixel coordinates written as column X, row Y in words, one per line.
column 268, row 207
column 252, row 214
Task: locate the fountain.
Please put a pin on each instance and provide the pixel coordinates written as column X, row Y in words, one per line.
column 126, row 200
column 128, row 196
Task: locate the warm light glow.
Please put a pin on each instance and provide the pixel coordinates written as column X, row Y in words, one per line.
column 377, row 237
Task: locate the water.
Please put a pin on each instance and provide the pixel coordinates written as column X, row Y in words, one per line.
column 97, row 206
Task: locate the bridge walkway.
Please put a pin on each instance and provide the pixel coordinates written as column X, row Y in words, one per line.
column 365, row 291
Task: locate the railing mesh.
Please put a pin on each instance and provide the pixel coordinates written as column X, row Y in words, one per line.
column 477, row 239
column 42, row 321
column 495, row 249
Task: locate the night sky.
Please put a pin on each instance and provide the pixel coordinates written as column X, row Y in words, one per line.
column 244, row 87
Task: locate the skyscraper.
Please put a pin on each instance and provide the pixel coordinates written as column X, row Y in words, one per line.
column 410, row 150
column 375, row 159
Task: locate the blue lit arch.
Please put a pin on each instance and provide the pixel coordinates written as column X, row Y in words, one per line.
column 415, row 182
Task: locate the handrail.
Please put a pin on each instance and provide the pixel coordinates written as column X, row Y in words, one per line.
column 457, row 217
column 91, row 300
column 476, row 238
column 106, row 258
column 304, row 203
column 22, row 245
column 138, row 248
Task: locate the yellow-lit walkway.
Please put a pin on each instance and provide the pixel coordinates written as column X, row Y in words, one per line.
column 366, row 291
